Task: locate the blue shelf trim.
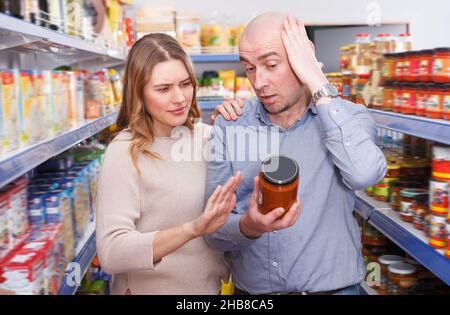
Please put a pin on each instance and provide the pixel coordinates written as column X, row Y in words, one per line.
column 432, row 129
column 24, row 160
column 84, row 259
column 419, row 250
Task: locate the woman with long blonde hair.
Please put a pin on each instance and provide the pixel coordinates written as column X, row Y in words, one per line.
column 151, row 213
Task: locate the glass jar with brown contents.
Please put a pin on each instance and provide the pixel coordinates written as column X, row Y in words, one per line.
column 279, row 180
column 402, row 278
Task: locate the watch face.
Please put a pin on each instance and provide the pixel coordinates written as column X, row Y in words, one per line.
column 332, row 90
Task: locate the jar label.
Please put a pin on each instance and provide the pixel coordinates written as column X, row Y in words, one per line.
column 433, row 102
column 447, row 102
column 437, row 66
column 424, row 67
column 407, row 208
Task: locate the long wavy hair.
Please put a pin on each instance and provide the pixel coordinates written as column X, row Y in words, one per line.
column 145, row 54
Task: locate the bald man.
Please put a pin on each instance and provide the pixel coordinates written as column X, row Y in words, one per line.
column 313, row 248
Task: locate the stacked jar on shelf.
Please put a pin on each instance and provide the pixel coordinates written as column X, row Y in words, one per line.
column 419, row 199
column 418, row 83
column 390, row 271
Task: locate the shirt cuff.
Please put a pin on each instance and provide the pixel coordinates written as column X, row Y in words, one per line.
column 235, row 233
column 333, row 114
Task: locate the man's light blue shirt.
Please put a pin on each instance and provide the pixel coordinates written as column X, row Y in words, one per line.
column 334, row 145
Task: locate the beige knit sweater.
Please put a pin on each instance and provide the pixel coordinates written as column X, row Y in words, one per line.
column 131, row 209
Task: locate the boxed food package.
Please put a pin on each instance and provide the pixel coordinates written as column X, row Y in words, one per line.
column 56, row 89
column 188, row 31
column 17, row 214
column 4, row 226
column 23, row 272
column 244, row 89
column 10, row 111
column 65, row 100
column 28, row 109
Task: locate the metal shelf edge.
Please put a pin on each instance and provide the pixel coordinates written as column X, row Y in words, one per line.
column 84, row 258
column 422, row 252
column 432, row 129
column 23, row 161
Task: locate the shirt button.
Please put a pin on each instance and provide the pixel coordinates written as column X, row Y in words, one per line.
column 274, row 264
column 347, row 142
column 275, row 231
column 334, row 111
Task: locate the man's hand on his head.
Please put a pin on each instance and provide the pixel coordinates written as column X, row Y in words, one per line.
column 301, row 54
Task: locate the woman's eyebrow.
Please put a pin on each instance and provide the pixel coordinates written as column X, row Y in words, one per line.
column 168, row 84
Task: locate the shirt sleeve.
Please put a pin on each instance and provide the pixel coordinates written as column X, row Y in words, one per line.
column 121, row 248
column 229, row 236
column 350, row 137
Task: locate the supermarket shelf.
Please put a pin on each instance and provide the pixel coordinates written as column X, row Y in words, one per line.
column 431, row 129
column 198, row 58
column 368, row 289
column 50, row 48
column 411, row 240
column 20, row 162
column 85, row 252
column 209, row 104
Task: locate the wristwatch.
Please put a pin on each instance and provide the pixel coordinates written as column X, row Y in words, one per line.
column 328, row 90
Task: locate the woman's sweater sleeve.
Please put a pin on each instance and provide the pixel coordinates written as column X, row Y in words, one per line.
column 120, row 247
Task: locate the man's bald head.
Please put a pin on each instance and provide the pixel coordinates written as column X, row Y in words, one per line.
column 266, row 24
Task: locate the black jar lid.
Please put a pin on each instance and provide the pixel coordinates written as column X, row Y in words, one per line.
column 279, row 170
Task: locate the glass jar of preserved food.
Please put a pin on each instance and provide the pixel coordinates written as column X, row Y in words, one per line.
column 347, row 85
column 398, row 97
column 397, row 186
column 388, row 99
column 441, row 163
column 279, row 179
column 439, row 198
column 426, row 65
column 372, row 237
column 402, row 277
column 438, row 231
column 422, row 95
column 409, row 99
column 411, row 73
column 410, row 199
column 400, row 66
column 446, row 102
column 414, row 167
column 441, row 65
column 389, row 67
column 435, row 105
column 385, row 261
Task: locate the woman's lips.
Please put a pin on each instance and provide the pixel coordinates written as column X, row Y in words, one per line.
column 178, row 111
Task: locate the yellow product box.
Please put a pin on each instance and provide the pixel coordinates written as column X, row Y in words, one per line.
column 73, row 105
column 9, row 111
column 229, row 78
column 65, row 100
column 41, row 103
column 244, row 88
column 49, row 111
column 28, row 109
column 56, row 100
